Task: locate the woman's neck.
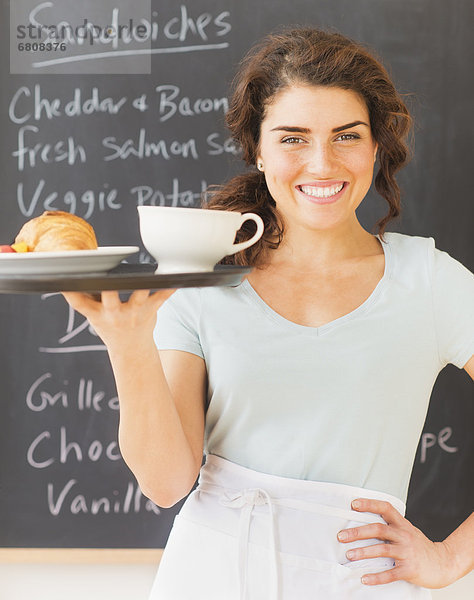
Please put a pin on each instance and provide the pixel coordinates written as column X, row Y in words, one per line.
column 323, row 250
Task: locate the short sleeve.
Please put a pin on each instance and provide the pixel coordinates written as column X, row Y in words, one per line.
column 453, row 304
column 177, row 324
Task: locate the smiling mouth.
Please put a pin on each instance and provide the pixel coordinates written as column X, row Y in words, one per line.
column 321, row 191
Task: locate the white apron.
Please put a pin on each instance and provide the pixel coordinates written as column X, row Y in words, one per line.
column 245, row 535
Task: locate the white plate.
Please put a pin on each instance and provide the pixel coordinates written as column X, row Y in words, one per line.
column 71, row 261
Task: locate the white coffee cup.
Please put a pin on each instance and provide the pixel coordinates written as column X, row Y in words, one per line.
column 190, row 240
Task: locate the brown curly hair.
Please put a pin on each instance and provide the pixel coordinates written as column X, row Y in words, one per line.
column 315, row 57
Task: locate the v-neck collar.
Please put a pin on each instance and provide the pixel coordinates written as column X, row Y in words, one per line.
column 360, row 310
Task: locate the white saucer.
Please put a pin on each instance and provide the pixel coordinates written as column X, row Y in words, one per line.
column 71, row 261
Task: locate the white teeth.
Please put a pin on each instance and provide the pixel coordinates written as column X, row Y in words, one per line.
column 321, row 192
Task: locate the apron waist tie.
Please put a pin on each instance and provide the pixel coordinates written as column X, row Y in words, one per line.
column 245, row 500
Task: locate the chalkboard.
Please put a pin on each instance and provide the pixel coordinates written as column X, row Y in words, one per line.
column 97, row 137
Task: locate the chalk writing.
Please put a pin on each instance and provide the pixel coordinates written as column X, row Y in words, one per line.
column 132, row 501
column 84, row 204
column 120, row 53
column 62, row 449
column 91, row 201
column 170, row 103
column 26, row 105
column 179, row 27
column 61, row 151
column 217, row 147
column 428, row 440
column 182, row 28
column 142, row 147
column 76, row 325
column 66, row 142
column 146, row 194
column 44, row 394
column 140, row 103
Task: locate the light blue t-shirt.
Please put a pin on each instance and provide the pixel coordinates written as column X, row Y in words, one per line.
column 344, row 402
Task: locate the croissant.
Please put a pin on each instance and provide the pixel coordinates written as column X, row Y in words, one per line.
column 56, row 230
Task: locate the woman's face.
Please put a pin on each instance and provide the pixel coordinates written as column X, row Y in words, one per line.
column 318, row 155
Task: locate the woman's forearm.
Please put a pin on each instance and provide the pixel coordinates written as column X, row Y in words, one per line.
column 151, row 436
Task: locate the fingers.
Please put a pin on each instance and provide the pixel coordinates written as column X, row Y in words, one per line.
column 379, row 531
column 390, row 532
column 147, row 300
column 387, row 531
column 111, row 300
column 139, row 297
column 388, row 576
column 416, row 558
column 374, row 551
column 379, row 507
column 82, row 303
column 113, row 319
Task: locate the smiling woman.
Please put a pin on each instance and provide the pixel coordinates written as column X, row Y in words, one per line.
column 274, row 77
column 319, row 164
column 306, row 385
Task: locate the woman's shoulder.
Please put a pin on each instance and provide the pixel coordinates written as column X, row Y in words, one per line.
column 406, row 243
column 413, row 246
column 408, row 256
column 414, row 252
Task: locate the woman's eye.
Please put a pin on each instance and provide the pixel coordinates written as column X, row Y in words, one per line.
column 292, row 140
column 345, row 137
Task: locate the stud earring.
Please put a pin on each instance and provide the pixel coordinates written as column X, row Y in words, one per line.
column 260, row 166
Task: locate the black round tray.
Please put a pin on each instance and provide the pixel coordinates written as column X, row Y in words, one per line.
column 125, row 277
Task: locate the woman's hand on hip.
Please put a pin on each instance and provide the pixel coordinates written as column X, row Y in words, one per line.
column 118, row 322
column 417, row 559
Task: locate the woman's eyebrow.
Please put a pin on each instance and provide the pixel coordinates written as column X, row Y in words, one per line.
column 291, row 129
column 349, row 125
column 307, row 130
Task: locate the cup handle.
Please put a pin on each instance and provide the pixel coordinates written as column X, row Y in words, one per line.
column 257, row 235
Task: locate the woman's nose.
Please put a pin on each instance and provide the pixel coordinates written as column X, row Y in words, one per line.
column 321, row 160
